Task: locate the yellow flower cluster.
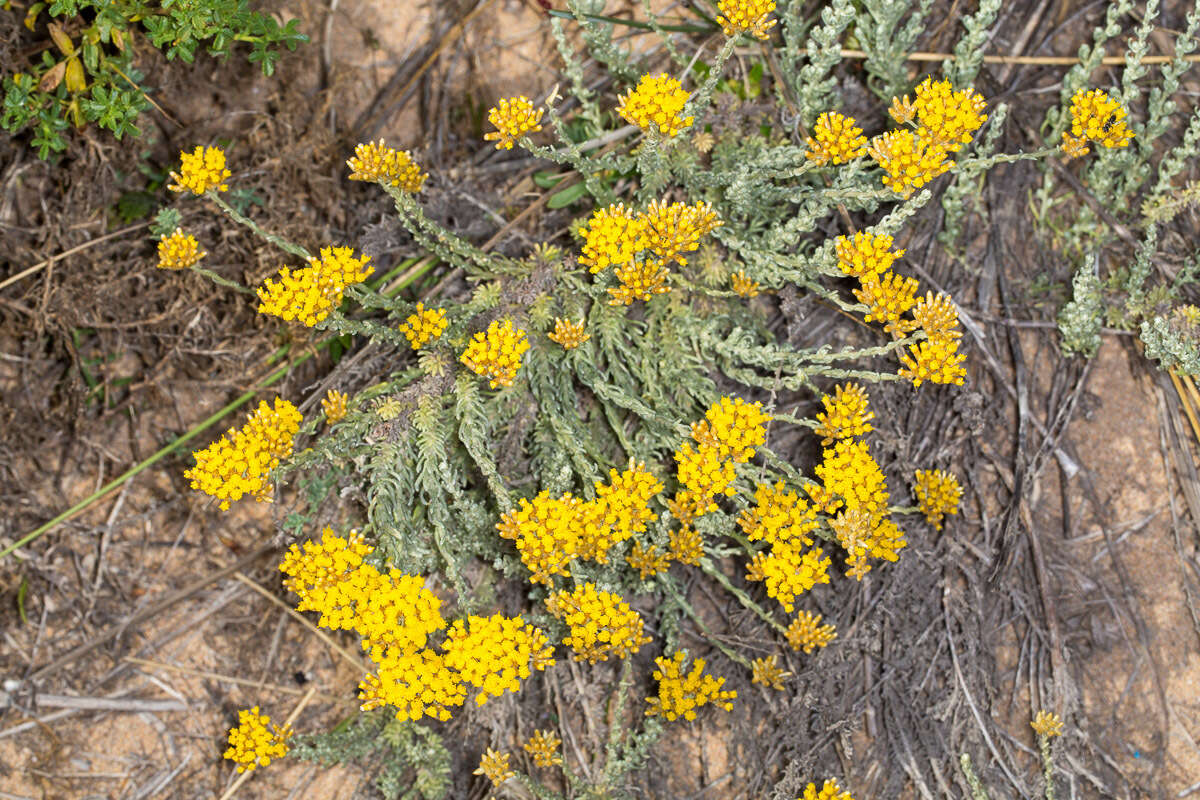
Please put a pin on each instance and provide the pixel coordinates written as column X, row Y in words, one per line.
column 866, row 254
column 496, row 353
column 309, row 294
column 513, row 118
column 908, row 161
column 495, row 766
column 936, row 361
column 1095, row 117
column 647, row 560
column 201, row 170
column 846, row 414
column 602, row 624
column 746, row 287
column 852, row 481
column 831, row 790
column 378, row 163
column 937, row 316
column 656, row 105
column 550, row 533
column 888, row 297
column 313, row 568
column 727, row 435
column 836, row 139
column 613, row 237
column 334, row 406
column 807, row 633
column 789, row 570
column 779, row 517
column 679, row 695
column 641, row 247
column 945, row 117
column 240, row 462
column 568, row 334
column 1047, row 723
column 547, row 532
column 639, row 280
column 767, row 672
column 423, row 325
column 252, row 744
column 179, row 250
column 746, row 16
column 543, row 746
column 938, row 494
column 685, row 545
column 494, row 654
column 396, row 615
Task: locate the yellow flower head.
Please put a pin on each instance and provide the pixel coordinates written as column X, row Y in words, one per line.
column 639, row 281
column 849, row 472
column 201, row 170
column 887, row 298
column 746, row 16
column 415, row 683
column 807, row 633
column 252, row 744
column 1047, row 724
column 656, row 105
column 788, row 571
column 908, row 161
column 734, row 427
column 705, row 472
column 424, row 325
column 836, row 139
column 864, row 534
column 240, row 462
column 679, row 694
column 647, row 560
column 313, row 568
column 937, row 316
column 543, row 746
column 496, row 353
column 936, row 361
column 378, row 163
column 334, row 406
column 179, row 250
column 846, row 414
column 866, row 254
column 671, row 230
column 946, row 117
column 513, row 118
column 1096, row 117
column 613, row 237
column 548, row 533
column 685, row 545
column 743, row 286
column 831, row 790
column 622, row 508
column 308, row 295
column 938, row 494
column 494, row 654
column 495, row 766
column 568, row 334
column 767, row 672
column 391, row 611
column 602, row 624
column 778, row 517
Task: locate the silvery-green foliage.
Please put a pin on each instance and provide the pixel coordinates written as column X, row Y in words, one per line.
column 1170, row 346
column 967, row 183
column 598, row 35
column 813, row 85
column 1139, row 273
column 887, row 43
column 963, row 69
column 1080, row 320
column 1079, row 76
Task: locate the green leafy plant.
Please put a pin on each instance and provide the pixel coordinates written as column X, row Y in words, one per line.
column 84, row 71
